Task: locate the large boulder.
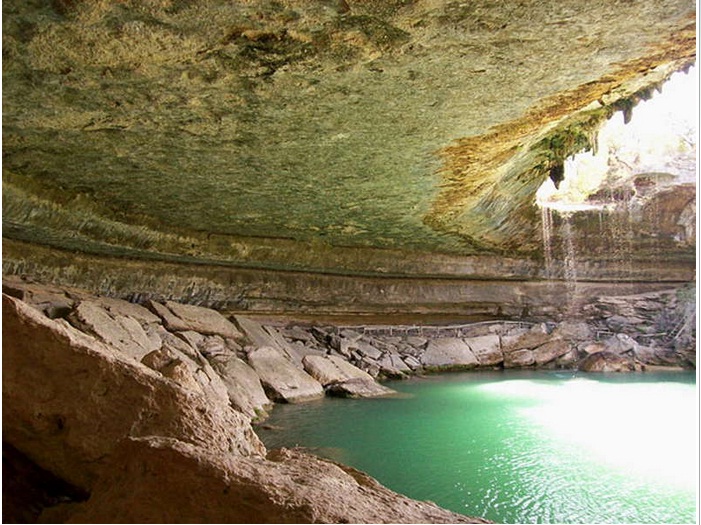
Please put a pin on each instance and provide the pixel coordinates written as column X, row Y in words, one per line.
column 449, row 352
column 342, row 378
column 550, row 351
column 243, row 386
column 120, row 331
column 518, row 358
column 146, row 449
column 203, row 320
column 487, row 349
column 69, row 399
column 162, row 480
column 282, row 380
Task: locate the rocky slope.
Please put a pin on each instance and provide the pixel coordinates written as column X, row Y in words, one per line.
column 143, row 412
column 128, row 414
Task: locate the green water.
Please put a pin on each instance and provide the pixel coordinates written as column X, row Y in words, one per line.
column 538, row 447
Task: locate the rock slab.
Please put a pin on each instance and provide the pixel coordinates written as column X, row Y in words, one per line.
column 283, row 381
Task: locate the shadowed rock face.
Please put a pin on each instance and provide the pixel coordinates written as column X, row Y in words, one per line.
column 353, row 137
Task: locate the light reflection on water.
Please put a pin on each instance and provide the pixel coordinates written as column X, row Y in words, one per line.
column 537, row 448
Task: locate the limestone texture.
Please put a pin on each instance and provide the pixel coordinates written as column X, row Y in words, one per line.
column 203, row 320
column 297, row 156
column 144, row 438
column 92, row 435
column 282, row 380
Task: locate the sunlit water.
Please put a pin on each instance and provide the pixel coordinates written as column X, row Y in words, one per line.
column 519, row 447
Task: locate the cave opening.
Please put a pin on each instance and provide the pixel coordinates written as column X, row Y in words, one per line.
column 653, row 145
column 628, row 205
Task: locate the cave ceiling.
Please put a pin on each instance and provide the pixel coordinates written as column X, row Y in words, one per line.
column 285, row 132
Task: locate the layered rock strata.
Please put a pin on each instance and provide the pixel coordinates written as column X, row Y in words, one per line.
column 148, row 422
column 108, row 396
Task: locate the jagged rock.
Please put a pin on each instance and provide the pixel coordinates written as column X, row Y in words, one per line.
column 620, row 344
column 214, row 345
column 161, row 480
column 366, row 349
column 322, row 335
column 593, row 348
column 550, row 351
column 518, row 358
column 281, row 379
column 191, row 338
column 243, row 385
column 657, row 356
column 203, row 320
column 74, row 398
column 369, row 366
column 568, row 359
column 356, row 388
column 388, row 369
column 394, row 361
column 413, row 363
column 487, row 349
column 342, row 379
column 119, row 307
column 619, row 323
column 449, row 352
column 51, row 300
column 256, row 332
column 606, row 362
column 531, row 339
column 171, row 321
column 172, row 367
column 297, row 333
column 185, row 365
column 124, row 333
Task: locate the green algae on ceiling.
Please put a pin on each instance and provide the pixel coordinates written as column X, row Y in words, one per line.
column 307, row 121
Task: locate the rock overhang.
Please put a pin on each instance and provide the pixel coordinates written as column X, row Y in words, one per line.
column 394, row 138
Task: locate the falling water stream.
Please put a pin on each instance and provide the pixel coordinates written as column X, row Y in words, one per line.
column 546, row 215
column 519, row 447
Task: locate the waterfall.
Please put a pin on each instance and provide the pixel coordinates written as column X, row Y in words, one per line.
column 570, row 262
column 546, row 219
